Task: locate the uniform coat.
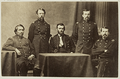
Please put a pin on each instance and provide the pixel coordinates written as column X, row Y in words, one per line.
column 84, row 36
column 23, row 45
column 68, row 45
column 104, row 59
column 39, row 33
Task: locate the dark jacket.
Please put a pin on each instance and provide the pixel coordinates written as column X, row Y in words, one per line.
column 39, row 33
column 68, row 45
column 84, row 35
column 23, row 45
column 101, row 45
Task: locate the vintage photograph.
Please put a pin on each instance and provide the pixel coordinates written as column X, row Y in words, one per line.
column 59, row 39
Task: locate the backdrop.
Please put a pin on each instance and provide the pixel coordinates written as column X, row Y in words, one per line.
column 14, row 13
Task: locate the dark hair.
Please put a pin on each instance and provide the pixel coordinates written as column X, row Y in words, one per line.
column 16, row 27
column 41, row 9
column 105, row 28
column 61, row 25
column 86, row 9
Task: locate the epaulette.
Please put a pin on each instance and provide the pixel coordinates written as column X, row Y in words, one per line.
column 112, row 40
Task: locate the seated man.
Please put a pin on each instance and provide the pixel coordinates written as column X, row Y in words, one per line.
column 102, row 54
column 22, row 47
column 61, row 43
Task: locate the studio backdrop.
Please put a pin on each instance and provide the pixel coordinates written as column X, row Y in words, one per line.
column 14, row 13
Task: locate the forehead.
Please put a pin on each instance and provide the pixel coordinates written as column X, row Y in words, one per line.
column 19, row 27
column 104, row 29
column 40, row 11
column 60, row 26
column 86, row 12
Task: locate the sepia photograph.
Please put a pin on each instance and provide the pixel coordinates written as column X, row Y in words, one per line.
column 59, row 39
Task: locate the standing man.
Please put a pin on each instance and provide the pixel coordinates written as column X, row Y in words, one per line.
column 84, row 34
column 23, row 47
column 61, row 43
column 103, row 53
column 39, row 33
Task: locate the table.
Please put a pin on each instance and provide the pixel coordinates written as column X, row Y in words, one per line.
column 8, row 63
column 66, row 65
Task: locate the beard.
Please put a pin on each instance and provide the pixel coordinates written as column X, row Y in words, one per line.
column 105, row 36
column 20, row 35
column 87, row 18
column 61, row 33
column 41, row 18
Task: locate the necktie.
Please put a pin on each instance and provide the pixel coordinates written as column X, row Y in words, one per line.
column 61, row 42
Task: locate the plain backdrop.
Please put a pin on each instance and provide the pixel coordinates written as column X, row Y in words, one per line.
column 14, row 13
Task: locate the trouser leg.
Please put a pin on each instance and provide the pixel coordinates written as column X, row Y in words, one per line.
column 36, row 72
column 23, row 69
column 101, row 68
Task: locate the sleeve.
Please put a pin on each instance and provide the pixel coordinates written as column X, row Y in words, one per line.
column 9, row 45
column 95, row 36
column 96, row 50
column 75, row 33
column 48, row 32
column 110, row 50
column 32, row 50
column 31, row 32
column 51, row 45
column 72, row 45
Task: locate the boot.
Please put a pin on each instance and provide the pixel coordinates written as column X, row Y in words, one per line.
column 36, row 72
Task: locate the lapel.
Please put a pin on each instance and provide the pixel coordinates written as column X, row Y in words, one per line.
column 57, row 40
column 64, row 40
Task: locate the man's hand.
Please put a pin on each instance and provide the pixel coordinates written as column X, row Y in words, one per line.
column 31, row 57
column 18, row 52
column 105, row 50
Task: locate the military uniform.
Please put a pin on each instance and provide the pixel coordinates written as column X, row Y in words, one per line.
column 101, row 59
column 39, row 33
column 26, row 49
column 84, row 36
column 68, row 45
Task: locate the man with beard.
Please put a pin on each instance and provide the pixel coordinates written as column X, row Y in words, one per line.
column 39, row 33
column 23, row 47
column 61, row 43
column 84, row 34
column 102, row 54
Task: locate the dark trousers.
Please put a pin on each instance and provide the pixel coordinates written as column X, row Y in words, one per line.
column 36, row 72
column 104, row 67
column 22, row 69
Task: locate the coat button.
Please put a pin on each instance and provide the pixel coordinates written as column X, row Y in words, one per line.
column 89, row 33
